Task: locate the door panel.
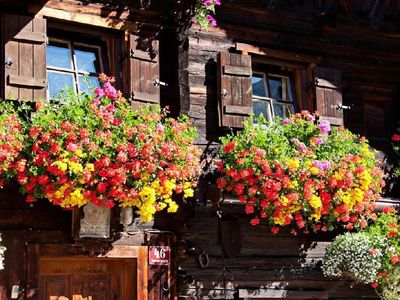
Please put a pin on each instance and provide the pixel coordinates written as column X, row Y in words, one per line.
column 100, row 278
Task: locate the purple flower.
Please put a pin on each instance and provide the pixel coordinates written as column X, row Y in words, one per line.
column 322, row 165
column 285, row 121
column 301, row 147
column 319, row 140
column 295, row 141
column 217, row 2
column 324, row 126
column 207, row 2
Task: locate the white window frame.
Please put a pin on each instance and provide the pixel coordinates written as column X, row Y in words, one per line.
column 74, row 68
column 289, row 105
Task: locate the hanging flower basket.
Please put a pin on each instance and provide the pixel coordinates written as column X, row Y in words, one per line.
column 97, row 149
column 299, row 171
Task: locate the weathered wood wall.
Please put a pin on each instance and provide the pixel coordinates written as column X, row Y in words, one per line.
column 284, row 266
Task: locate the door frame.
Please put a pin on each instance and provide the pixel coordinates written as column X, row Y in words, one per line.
column 35, row 251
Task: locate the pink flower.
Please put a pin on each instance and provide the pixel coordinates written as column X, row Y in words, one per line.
column 286, row 121
column 96, row 101
column 211, row 19
column 99, row 92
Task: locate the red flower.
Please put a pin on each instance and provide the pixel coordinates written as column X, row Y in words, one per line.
column 395, row 259
column 395, row 137
column 30, row 199
column 374, row 285
column 249, row 209
column 389, row 209
column 275, row 230
column 255, row 221
column 392, row 233
column 229, row 147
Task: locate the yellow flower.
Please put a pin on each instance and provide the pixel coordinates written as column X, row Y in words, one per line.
column 314, row 170
column 365, row 180
column 61, row 165
column 186, row 185
column 188, row 193
column 172, row 207
column 89, row 167
column 293, row 163
column 75, row 167
column 80, row 153
column 315, row 202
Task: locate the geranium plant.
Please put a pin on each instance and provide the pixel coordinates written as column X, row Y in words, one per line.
column 371, row 256
column 205, row 11
column 96, row 148
column 299, row 171
column 11, row 142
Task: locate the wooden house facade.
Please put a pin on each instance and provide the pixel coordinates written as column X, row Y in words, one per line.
column 340, row 58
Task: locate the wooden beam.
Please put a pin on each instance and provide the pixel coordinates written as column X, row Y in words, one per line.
column 94, row 20
column 280, row 54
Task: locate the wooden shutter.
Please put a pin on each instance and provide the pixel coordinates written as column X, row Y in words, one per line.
column 234, row 88
column 328, row 95
column 24, row 65
column 143, row 69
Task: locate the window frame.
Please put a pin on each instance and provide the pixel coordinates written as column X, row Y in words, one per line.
column 72, row 45
column 272, row 101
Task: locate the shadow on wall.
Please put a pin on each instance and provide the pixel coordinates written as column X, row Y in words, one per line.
column 254, row 263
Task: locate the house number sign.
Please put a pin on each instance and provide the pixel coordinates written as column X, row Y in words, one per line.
column 159, row 255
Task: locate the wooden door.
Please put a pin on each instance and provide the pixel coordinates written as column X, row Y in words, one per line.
column 87, row 278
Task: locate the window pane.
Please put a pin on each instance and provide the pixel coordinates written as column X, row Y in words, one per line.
column 86, row 60
column 262, row 107
column 58, row 55
column 58, row 82
column 275, row 85
column 88, row 83
column 279, row 110
column 283, row 110
column 258, row 85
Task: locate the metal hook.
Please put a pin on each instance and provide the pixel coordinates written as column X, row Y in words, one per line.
column 9, row 62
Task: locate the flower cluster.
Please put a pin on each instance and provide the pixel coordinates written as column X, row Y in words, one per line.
column 11, row 142
column 371, row 256
column 95, row 148
column 301, row 172
column 353, row 255
column 205, row 9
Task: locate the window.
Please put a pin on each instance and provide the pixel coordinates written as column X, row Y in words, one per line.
column 272, row 95
column 72, row 65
